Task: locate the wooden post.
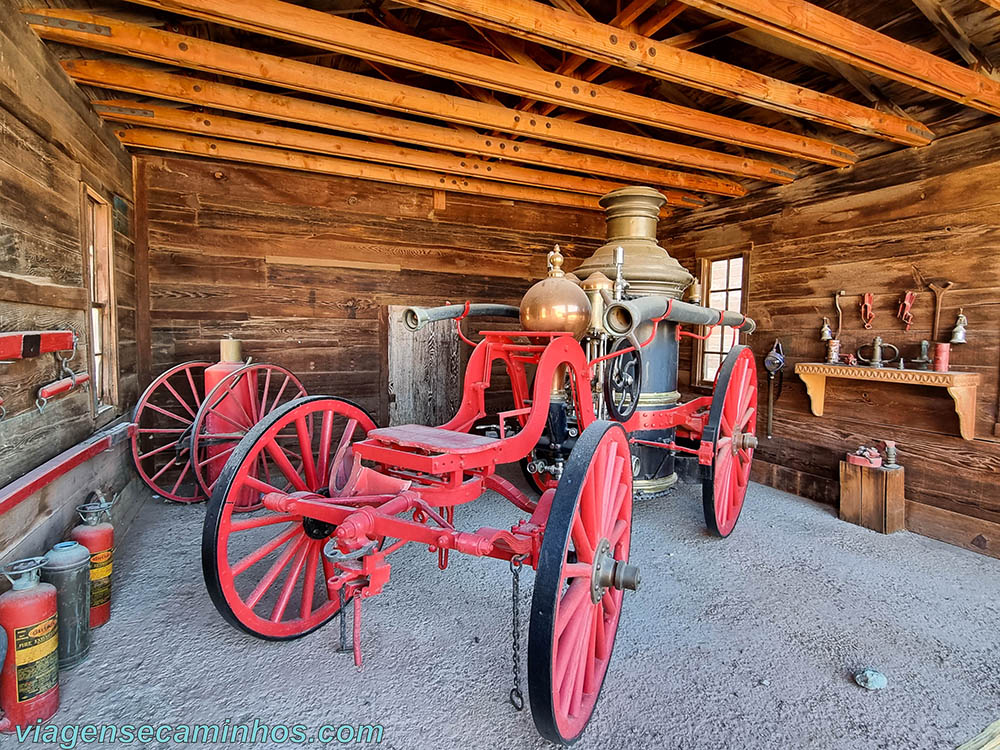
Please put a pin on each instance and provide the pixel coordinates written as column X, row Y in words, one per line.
column 872, row 497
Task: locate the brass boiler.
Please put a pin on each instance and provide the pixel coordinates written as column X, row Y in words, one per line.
column 633, row 215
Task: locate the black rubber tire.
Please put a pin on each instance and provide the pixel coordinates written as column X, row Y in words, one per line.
column 548, row 581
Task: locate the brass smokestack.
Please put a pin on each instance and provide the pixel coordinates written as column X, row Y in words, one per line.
column 633, row 214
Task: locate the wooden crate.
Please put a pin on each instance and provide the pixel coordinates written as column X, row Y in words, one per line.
column 872, row 497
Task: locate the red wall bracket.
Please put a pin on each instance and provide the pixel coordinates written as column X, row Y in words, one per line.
column 26, row 344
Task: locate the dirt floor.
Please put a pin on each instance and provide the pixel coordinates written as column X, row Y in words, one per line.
column 749, row 642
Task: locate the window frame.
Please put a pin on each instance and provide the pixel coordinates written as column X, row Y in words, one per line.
column 98, row 258
column 703, row 263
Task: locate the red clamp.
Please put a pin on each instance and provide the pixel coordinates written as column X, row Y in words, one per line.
column 27, row 344
column 867, row 309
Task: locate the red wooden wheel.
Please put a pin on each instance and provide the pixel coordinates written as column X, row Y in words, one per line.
column 732, row 426
column 161, row 445
column 582, row 567
column 236, row 403
column 265, row 571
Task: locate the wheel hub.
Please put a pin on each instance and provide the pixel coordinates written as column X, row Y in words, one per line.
column 743, row 441
column 611, row 573
column 317, row 529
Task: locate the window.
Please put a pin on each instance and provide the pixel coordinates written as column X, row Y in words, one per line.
column 723, row 283
column 99, row 270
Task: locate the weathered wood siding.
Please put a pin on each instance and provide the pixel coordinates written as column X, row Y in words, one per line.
column 301, row 267
column 51, row 143
column 860, row 230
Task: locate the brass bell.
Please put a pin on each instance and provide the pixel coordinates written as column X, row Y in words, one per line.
column 825, row 334
column 958, row 332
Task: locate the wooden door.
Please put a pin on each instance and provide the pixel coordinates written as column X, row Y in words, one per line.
column 425, row 372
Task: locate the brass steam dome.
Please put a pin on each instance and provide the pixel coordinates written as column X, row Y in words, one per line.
column 556, row 303
column 632, row 214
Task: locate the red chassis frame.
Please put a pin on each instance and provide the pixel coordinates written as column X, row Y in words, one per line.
column 449, row 466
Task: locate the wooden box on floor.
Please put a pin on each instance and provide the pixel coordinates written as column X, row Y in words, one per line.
column 872, row 497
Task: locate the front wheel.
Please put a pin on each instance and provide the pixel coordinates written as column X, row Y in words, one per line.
column 265, row 571
column 582, row 573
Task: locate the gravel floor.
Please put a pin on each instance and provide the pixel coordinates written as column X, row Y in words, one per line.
column 749, row 642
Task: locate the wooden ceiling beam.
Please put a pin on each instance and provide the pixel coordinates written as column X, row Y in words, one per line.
column 295, row 23
column 190, row 52
column 818, row 29
column 541, row 23
column 953, row 33
column 248, row 131
column 218, row 148
column 196, row 91
column 993, row 3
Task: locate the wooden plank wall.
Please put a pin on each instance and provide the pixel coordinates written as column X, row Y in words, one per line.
column 860, row 230
column 301, row 267
column 51, row 143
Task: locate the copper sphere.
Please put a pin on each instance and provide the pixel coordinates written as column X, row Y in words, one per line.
column 556, row 304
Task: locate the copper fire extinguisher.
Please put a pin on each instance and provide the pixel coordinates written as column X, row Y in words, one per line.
column 29, row 681
column 98, row 536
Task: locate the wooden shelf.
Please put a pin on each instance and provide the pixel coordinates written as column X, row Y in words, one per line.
column 961, row 386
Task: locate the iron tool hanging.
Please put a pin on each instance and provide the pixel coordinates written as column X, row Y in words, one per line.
column 774, row 363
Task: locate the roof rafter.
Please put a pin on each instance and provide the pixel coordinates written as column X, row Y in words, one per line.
column 542, row 23
column 216, row 148
column 248, row 131
column 818, row 29
column 190, row 52
column 284, row 20
column 956, row 36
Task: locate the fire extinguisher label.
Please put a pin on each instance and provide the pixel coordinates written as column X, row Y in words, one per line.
column 100, row 577
column 37, row 658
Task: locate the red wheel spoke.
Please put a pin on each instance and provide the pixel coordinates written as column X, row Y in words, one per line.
column 263, row 487
column 160, row 473
column 264, row 391
column 259, row 554
column 607, row 476
column 581, row 541
column 305, row 443
column 590, row 675
column 725, row 426
column 577, row 593
column 285, row 466
column 194, row 388
column 619, row 502
column 293, row 576
column 578, row 570
column 278, row 397
column 309, row 584
column 621, row 526
column 162, row 448
column 748, row 414
column 259, row 521
column 225, row 417
column 274, row 571
column 566, row 643
column 325, row 440
column 166, row 413
column 180, row 478
column 176, row 395
column 217, row 456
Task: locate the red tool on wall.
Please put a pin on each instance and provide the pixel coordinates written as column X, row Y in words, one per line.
column 867, row 309
column 26, row 344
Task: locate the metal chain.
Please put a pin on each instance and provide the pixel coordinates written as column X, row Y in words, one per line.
column 516, row 696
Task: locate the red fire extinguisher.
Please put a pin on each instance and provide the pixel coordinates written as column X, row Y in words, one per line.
column 29, row 682
column 229, row 408
column 98, row 536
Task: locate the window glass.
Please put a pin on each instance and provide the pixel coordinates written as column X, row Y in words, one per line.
column 724, row 282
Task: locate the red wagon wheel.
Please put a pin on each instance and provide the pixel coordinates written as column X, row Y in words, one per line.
column 236, row 403
column 582, row 571
column 265, row 571
column 732, row 426
column 161, row 444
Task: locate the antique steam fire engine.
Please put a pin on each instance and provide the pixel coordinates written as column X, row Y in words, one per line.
column 326, row 496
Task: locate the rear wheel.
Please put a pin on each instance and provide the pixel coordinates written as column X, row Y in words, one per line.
column 265, row 571
column 582, row 571
column 732, row 427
